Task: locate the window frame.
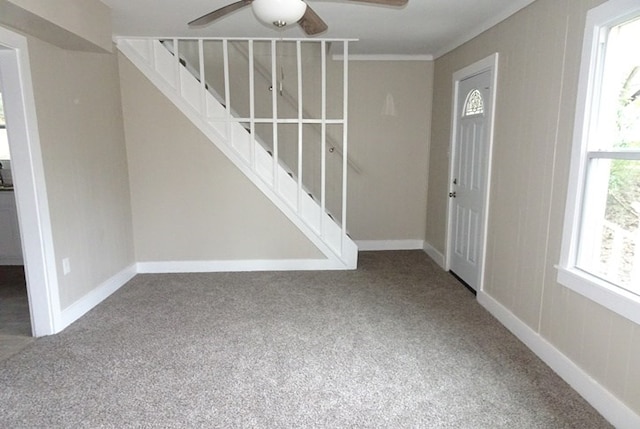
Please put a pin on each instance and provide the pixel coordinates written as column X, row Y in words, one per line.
column 599, row 20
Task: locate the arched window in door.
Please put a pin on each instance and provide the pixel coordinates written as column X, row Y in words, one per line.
column 474, row 104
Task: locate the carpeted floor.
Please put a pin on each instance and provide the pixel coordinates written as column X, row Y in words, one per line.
column 396, row 344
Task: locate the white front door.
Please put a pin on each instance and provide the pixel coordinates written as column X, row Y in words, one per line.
column 469, row 177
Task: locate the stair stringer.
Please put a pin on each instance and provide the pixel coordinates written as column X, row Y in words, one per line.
column 186, row 92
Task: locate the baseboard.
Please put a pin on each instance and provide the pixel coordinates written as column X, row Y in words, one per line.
column 95, row 297
column 160, row 267
column 376, row 245
column 434, row 254
column 614, row 410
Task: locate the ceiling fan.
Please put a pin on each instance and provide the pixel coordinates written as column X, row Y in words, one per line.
column 282, row 12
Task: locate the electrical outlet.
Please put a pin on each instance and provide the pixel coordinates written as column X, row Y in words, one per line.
column 66, row 266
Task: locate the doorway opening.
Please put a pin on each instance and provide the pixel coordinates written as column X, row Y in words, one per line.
column 27, row 178
column 15, row 320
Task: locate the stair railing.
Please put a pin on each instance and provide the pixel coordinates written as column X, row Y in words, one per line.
column 303, row 117
column 265, row 74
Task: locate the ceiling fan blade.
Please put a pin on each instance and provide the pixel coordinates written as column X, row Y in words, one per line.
column 311, row 22
column 385, row 2
column 219, row 13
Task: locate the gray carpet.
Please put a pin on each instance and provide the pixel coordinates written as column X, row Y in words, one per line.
column 396, row 344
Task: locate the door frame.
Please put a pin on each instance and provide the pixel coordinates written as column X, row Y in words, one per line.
column 29, row 184
column 490, row 64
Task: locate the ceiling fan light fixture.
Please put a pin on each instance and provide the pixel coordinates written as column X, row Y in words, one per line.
column 279, row 12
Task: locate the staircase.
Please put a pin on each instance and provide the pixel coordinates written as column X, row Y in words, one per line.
column 185, row 84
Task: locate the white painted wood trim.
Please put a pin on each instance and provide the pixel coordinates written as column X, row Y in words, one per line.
column 434, row 254
column 375, row 245
column 614, row 410
column 161, row 267
column 345, row 140
column 618, row 300
column 29, row 181
column 323, row 137
column 95, row 297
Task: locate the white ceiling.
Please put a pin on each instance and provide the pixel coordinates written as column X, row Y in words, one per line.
column 422, row 27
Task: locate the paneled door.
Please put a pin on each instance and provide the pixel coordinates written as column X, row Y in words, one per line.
column 469, row 177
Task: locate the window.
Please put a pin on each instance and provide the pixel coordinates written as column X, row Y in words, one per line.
column 601, row 242
column 474, row 105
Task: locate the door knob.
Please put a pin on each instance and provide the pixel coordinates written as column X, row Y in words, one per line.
column 452, row 194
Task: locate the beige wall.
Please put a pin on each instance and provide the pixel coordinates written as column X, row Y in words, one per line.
column 539, row 51
column 189, row 202
column 69, row 24
column 388, row 199
column 79, row 114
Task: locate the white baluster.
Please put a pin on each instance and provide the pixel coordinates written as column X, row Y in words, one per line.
column 300, row 122
column 176, row 57
column 323, row 137
column 274, row 102
column 203, row 84
column 227, row 89
column 345, row 140
column 252, row 106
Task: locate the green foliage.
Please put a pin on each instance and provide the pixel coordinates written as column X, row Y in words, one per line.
column 624, row 180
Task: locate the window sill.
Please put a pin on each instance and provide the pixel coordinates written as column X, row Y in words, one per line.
column 625, row 303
